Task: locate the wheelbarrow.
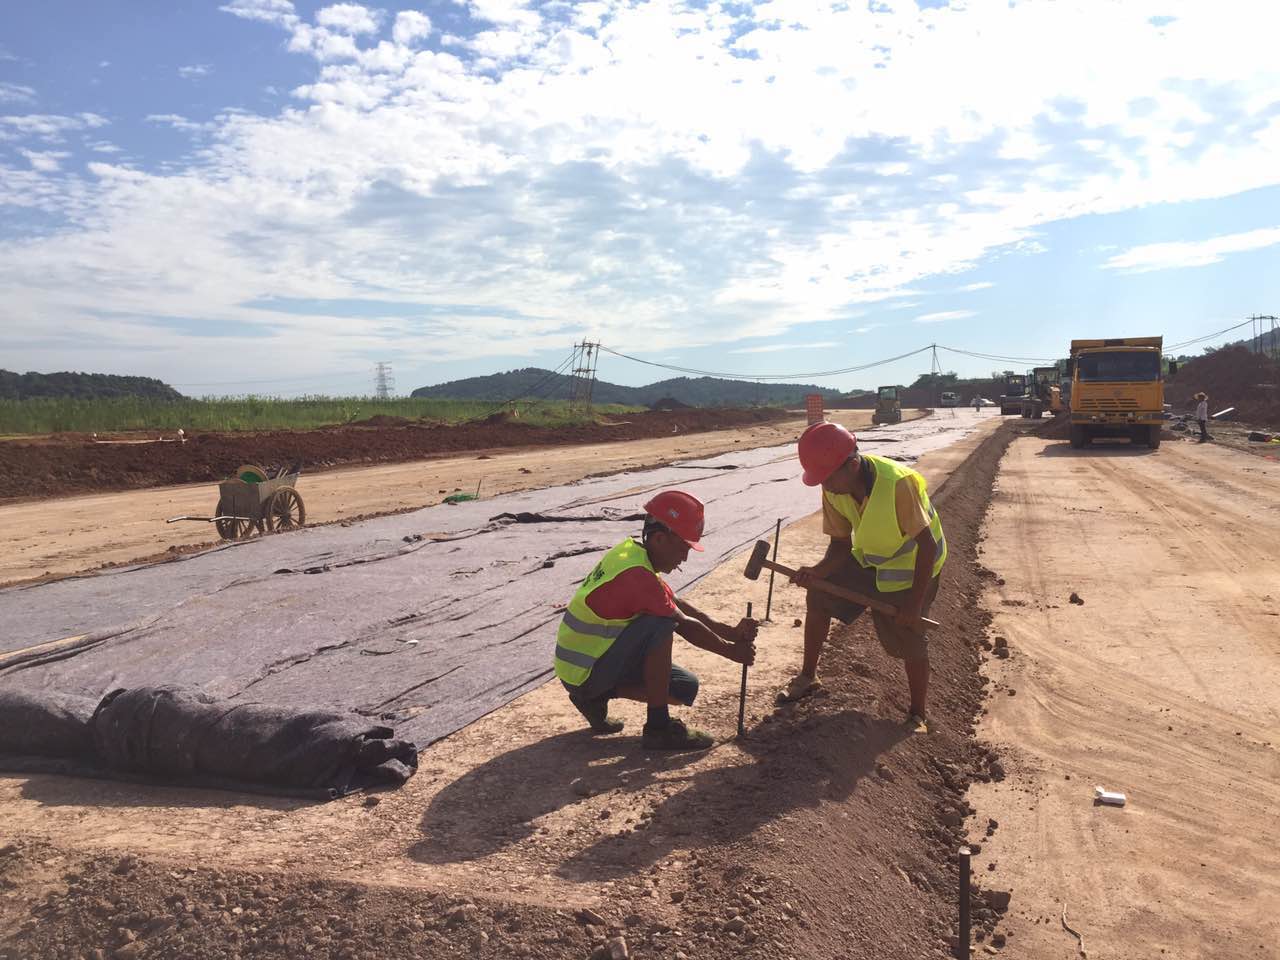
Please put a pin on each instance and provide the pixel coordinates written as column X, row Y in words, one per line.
column 258, row 500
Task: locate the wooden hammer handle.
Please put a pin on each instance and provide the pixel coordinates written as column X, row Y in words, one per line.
column 851, row 595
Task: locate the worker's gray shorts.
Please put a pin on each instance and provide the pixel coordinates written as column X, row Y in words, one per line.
column 897, row 641
column 623, row 663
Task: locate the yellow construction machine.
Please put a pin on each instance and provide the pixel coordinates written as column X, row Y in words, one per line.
column 1117, row 389
column 888, row 406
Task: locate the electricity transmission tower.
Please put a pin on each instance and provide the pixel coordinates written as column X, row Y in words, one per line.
column 1260, row 330
column 583, row 377
column 383, row 381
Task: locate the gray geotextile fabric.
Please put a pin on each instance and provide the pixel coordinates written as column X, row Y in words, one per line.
column 427, row 620
column 169, row 736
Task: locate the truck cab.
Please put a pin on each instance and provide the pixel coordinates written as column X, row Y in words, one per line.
column 1117, row 389
column 888, row 406
column 1015, row 391
column 950, row 399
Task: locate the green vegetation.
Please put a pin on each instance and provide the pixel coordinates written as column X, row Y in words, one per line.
column 69, row 414
column 690, row 391
column 84, row 386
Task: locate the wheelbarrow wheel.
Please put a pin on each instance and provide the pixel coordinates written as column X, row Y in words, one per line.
column 285, row 511
column 230, row 528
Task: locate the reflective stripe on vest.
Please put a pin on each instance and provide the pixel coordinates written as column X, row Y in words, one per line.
column 584, row 637
column 877, row 539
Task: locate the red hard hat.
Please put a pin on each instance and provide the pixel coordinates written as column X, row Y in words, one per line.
column 823, row 448
column 679, row 512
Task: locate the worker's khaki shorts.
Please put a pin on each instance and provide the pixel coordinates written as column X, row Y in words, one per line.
column 897, row 641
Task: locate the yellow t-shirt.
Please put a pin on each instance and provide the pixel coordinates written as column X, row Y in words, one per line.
column 906, row 500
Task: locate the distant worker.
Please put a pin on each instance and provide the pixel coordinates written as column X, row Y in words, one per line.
column 1202, row 416
column 977, row 402
column 886, row 542
column 616, row 636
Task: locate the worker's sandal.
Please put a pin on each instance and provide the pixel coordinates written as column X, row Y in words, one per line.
column 597, row 714
column 917, row 724
column 675, row 736
column 799, row 687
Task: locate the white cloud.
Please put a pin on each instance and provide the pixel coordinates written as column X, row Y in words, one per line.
column 194, row 71
column 972, row 287
column 779, row 347
column 16, row 93
column 48, row 127
column 1193, row 253
column 943, row 315
column 701, row 174
column 47, row 161
column 410, row 26
column 868, row 328
column 349, row 18
column 177, row 122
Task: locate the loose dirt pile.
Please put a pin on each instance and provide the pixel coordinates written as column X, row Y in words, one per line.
column 1232, row 377
column 68, row 464
column 837, row 840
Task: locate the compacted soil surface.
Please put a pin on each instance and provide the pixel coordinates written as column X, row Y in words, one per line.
column 827, row 831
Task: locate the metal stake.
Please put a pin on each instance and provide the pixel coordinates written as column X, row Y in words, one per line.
column 768, row 604
column 962, row 942
column 742, row 694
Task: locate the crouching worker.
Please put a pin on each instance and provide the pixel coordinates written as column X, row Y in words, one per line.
column 616, row 636
column 886, row 542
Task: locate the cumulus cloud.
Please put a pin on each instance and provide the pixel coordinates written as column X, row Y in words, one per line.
column 195, row 71
column 47, row 161
column 410, row 26
column 16, row 93
column 779, row 347
column 177, row 122
column 650, row 172
column 943, row 315
column 1193, row 253
column 47, row 127
column 349, row 18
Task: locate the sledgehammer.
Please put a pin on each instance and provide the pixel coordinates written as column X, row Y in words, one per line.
column 759, row 560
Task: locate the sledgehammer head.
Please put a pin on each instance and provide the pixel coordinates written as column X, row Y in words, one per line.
column 756, row 561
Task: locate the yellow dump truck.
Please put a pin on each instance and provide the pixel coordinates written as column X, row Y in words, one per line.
column 1117, row 389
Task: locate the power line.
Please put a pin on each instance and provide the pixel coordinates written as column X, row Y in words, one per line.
column 765, row 376
column 998, row 359
column 1208, row 336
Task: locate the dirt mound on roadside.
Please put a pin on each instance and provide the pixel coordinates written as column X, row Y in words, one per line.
column 56, row 466
column 1232, row 377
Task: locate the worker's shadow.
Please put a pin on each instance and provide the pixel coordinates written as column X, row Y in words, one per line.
column 787, row 767
column 1106, row 447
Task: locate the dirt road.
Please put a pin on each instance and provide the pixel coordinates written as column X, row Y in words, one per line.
column 662, row 849
column 74, row 534
column 1160, row 683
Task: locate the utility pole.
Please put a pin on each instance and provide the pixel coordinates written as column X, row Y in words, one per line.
column 1259, row 330
column 585, row 356
column 383, row 381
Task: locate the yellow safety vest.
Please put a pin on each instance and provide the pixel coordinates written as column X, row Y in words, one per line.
column 877, row 540
column 584, row 637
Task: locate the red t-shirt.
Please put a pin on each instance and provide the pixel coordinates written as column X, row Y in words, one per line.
column 631, row 593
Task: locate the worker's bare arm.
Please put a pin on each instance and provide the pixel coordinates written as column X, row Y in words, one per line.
column 837, row 550
column 911, row 609
column 700, row 635
column 744, row 630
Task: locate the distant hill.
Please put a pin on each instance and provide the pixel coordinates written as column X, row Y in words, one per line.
column 83, row 386
column 532, row 382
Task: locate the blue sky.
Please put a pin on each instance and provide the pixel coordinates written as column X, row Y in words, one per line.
column 266, row 196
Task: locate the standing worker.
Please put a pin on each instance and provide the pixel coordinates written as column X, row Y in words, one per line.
column 886, row 542
column 616, row 636
column 1202, row 416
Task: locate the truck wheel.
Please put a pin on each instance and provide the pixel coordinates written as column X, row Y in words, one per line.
column 1153, row 436
column 1078, row 437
